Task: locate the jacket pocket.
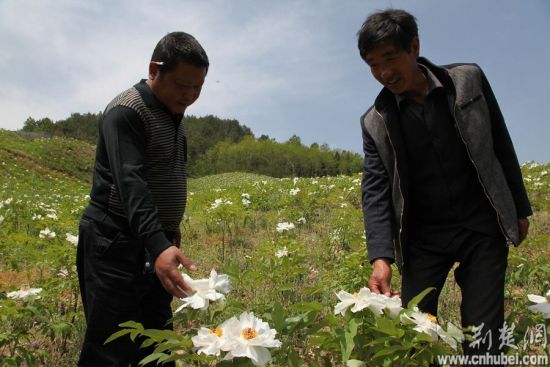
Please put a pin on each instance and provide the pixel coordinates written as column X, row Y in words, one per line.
column 114, row 243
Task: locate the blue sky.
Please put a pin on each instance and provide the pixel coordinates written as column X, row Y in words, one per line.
column 279, row 67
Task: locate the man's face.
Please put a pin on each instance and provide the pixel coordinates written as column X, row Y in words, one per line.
column 179, row 88
column 395, row 68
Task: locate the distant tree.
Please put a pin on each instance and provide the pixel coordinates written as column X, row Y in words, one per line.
column 205, row 132
column 30, row 124
column 264, row 137
column 79, row 126
column 294, row 139
column 44, row 125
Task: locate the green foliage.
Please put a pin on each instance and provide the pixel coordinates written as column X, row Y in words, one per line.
column 274, row 159
column 295, row 292
column 71, row 157
column 204, row 132
column 219, row 145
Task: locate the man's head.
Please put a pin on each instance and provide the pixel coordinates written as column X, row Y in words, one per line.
column 177, row 70
column 393, row 26
column 388, row 42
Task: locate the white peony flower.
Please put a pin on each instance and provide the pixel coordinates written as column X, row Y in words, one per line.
column 294, row 192
column 208, row 341
column 72, row 239
column 542, row 304
column 219, row 202
column 63, row 273
column 425, row 322
column 346, row 301
column 284, row 226
column 367, row 299
column 24, row 293
column 249, row 336
column 452, row 336
column 301, row 220
column 205, row 290
column 282, row 253
column 46, row 233
column 246, row 199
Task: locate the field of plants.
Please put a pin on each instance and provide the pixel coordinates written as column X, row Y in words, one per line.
column 290, row 263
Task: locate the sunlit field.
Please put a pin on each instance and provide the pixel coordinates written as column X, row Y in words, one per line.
column 288, row 246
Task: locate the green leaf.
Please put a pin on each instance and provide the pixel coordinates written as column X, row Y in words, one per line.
column 388, row 351
column 414, row 302
column 151, row 358
column 146, row 343
column 423, row 337
column 387, row 326
column 278, row 317
column 159, row 335
column 294, row 359
column 308, row 306
column 346, row 339
column 117, row 335
column 131, row 325
column 355, row 363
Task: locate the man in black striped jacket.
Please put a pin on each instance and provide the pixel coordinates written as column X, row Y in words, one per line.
column 128, row 250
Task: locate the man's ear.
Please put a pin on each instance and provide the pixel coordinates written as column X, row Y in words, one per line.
column 415, row 47
column 153, row 70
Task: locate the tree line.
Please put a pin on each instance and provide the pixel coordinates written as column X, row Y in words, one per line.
column 224, row 145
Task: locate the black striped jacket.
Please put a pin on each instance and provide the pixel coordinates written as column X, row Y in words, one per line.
column 140, row 168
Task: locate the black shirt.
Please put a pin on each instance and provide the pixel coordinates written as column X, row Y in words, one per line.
column 445, row 192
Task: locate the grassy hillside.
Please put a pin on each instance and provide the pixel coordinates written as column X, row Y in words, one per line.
column 43, row 190
column 72, row 157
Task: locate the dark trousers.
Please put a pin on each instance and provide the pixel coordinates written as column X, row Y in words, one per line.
column 114, row 289
column 483, row 260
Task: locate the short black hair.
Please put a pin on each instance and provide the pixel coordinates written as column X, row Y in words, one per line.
column 391, row 25
column 178, row 47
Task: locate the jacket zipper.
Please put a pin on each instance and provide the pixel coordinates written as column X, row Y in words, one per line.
column 508, row 240
column 400, row 193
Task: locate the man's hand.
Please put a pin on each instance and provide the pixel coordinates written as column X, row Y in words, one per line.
column 523, row 225
column 380, row 278
column 166, row 267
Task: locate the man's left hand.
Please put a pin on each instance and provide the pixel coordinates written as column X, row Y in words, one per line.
column 523, row 225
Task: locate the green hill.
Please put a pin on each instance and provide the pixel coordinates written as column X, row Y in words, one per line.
column 71, row 157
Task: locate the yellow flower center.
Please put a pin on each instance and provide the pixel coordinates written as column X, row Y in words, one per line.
column 217, row 331
column 249, row 333
column 431, row 317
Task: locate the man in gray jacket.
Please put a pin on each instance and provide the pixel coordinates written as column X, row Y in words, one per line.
column 441, row 181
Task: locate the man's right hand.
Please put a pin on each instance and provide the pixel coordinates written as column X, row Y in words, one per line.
column 166, row 268
column 380, row 279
